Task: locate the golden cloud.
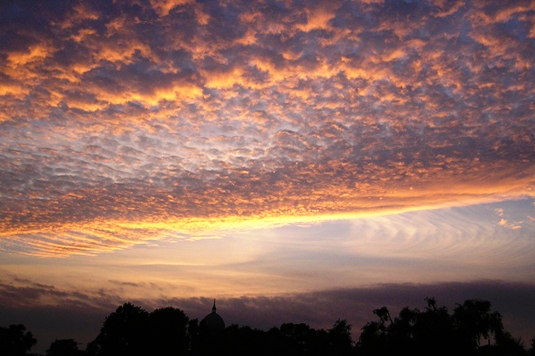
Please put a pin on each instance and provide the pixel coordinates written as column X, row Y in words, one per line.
column 177, row 119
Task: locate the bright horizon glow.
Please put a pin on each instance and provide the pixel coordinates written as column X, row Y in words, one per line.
column 450, row 244
column 123, row 234
column 169, row 152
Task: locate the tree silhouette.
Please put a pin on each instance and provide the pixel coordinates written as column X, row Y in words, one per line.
column 506, row 344
column 194, row 337
column 15, row 340
column 64, row 347
column 131, row 331
column 375, row 337
column 243, row 340
column 301, row 339
column 340, row 340
column 474, row 321
column 168, row 332
column 434, row 331
column 125, row 332
column 531, row 351
column 473, row 329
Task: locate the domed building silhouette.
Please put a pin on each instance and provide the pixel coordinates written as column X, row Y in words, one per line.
column 213, row 321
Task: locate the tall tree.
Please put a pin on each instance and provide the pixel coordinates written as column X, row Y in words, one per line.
column 340, row 340
column 168, row 331
column 125, row 332
column 434, row 331
column 474, row 321
column 15, row 340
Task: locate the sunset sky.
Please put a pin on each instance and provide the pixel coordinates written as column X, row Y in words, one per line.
column 299, row 161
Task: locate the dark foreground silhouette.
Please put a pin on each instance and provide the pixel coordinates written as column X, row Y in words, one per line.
column 472, row 329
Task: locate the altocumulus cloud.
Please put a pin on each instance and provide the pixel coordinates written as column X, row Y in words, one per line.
column 125, row 122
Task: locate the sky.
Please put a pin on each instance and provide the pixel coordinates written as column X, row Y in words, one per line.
column 300, row 161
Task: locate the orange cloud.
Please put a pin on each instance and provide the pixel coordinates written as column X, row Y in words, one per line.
column 183, row 120
column 32, row 54
column 318, row 19
column 163, row 7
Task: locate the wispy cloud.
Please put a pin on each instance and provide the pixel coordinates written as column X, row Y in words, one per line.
column 123, row 123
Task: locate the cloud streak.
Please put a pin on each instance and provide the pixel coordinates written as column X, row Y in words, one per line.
column 126, row 123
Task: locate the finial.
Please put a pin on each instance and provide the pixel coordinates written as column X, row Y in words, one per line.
column 213, row 308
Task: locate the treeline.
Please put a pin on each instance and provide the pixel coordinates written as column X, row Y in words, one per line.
column 472, row 329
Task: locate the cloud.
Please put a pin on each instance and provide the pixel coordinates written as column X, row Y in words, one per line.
column 125, row 123
column 515, row 225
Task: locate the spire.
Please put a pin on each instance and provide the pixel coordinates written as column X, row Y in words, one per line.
column 213, row 321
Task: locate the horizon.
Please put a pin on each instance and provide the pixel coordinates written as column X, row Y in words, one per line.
column 307, row 153
column 514, row 302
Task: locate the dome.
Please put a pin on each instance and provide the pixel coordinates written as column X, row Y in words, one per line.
column 213, row 321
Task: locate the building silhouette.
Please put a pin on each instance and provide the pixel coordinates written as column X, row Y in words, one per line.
column 213, row 321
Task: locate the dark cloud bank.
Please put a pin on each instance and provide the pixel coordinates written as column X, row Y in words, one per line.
column 82, row 321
